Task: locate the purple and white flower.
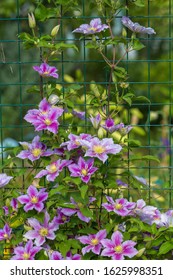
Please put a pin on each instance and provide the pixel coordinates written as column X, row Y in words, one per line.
column 46, row 70
column 100, row 148
column 80, row 115
column 95, row 121
column 83, row 169
column 111, row 127
column 74, row 141
column 120, row 206
column 5, row 233
column 27, row 252
column 44, row 118
column 55, row 255
column 14, row 204
column 95, row 26
column 136, row 27
column 34, row 150
column 117, row 249
column 52, row 170
column 77, row 210
column 34, row 199
column 93, row 241
column 61, row 218
column 41, row 232
column 4, row 179
column 149, row 214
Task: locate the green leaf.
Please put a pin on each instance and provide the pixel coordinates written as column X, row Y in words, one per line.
column 86, row 212
column 137, row 45
column 83, row 190
column 128, row 100
column 133, row 143
column 165, row 247
column 142, row 99
column 148, row 157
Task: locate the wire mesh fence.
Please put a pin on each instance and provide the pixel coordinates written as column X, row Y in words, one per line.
column 150, row 75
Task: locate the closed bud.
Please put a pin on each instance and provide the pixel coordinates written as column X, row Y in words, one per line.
column 140, row 252
column 124, row 32
column 55, row 30
column 31, row 20
column 53, row 99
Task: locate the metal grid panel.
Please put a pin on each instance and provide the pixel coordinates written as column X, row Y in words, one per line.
column 150, row 73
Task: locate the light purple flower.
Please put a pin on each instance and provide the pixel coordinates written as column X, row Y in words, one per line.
column 61, row 218
column 136, row 27
column 111, row 127
column 6, row 210
column 74, row 141
column 120, row 206
column 149, row 214
column 80, row 115
column 57, row 256
column 4, row 179
column 34, row 150
column 141, row 180
column 100, row 148
column 121, row 183
column 44, row 118
column 93, row 241
column 27, row 252
column 34, row 199
column 52, row 170
column 95, row 121
column 117, row 249
column 46, row 70
column 95, row 26
column 41, row 232
column 77, row 209
column 124, row 129
column 14, row 204
column 83, row 169
column 5, row 233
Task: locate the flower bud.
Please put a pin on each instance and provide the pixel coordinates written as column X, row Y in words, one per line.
column 53, row 99
column 55, row 30
column 124, row 32
column 140, row 252
column 31, row 20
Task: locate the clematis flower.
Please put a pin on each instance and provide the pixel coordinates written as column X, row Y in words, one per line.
column 100, row 148
column 111, row 127
column 61, row 218
column 41, row 232
column 14, row 204
column 6, row 210
column 83, row 169
column 4, row 179
column 93, row 241
column 77, row 209
column 80, row 115
column 34, row 199
column 57, row 256
column 46, row 70
column 149, row 214
column 120, row 206
column 116, row 248
column 52, row 170
column 74, row 141
column 46, row 117
column 95, row 121
column 27, row 252
column 34, row 150
column 136, row 27
column 95, row 26
column 5, row 233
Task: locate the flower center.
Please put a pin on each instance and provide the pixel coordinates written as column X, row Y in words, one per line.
column 52, row 168
column 92, row 29
column 94, row 241
column 34, row 199
column 118, row 249
column 80, row 205
column 36, row 152
column 64, row 218
column 5, row 235
column 98, row 149
column 26, row 256
column 43, row 231
column 118, row 206
column 84, row 172
column 47, row 121
column 46, row 73
column 77, row 142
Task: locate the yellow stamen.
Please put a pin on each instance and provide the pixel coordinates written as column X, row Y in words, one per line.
column 52, row 168
column 98, row 149
column 84, row 172
column 36, row 152
column 118, row 249
column 5, row 235
column 43, row 231
column 93, row 29
column 94, row 241
column 118, row 206
column 34, row 199
column 79, row 204
column 47, row 122
column 26, row 256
